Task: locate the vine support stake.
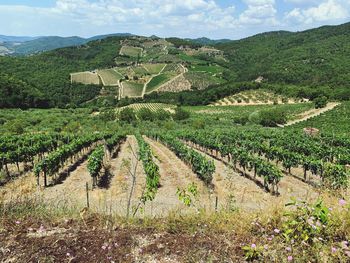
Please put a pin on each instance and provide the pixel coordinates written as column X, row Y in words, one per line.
column 87, row 195
column 216, row 203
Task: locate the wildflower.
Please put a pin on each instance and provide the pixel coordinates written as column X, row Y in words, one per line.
column 334, row 250
column 288, row 249
column 68, row 254
column 347, row 253
column 266, row 247
column 116, row 244
column 41, row 229
column 109, row 247
column 18, row 222
column 253, row 246
column 104, row 247
column 277, row 231
column 342, row 202
column 289, row 258
column 30, row 229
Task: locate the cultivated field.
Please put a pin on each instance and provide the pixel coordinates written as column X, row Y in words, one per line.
column 215, row 178
column 130, row 51
column 154, row 107
column 132, row 89
column 157, row 81
column 109, row 77
column 154, row 68
column 85, row 78
column 256, row 97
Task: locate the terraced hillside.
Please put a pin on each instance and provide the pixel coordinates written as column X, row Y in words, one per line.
column 160, row 66
column 257, row 97
column 154, row 107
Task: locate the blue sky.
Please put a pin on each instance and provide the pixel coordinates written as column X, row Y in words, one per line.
column 232, row 19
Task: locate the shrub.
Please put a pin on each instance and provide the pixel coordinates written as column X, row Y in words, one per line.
column 320, row 102
column 108, row 115
column 272, row 118
column 241, row 120
column 127, row 115
column 181, row 114
column 145, row 114
column 163, row 115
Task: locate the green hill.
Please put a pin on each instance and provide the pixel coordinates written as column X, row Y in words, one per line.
column 303, row 64
column 312, row 57
column 21, row 46
column 49, row 72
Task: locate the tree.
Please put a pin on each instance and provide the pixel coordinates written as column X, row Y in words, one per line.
column 163, row 115
column 127, row 115
column 181, row 114
column 320, row 102
column 272, row 118
column 145, row 114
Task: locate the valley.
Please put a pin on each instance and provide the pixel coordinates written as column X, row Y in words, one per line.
column 126, row 148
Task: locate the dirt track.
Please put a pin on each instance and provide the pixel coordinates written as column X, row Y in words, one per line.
column 312, row 113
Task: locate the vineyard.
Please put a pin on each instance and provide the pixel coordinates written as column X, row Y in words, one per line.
column 109, row 77
column 256, row 97
column 128, row 148
column 271, row 162
column 171, row 171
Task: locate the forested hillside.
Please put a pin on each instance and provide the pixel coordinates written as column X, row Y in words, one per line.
column 313, row 57
column 307, row 64
column 49, row 72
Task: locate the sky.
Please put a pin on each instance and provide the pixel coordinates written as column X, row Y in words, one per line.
column 233, row 19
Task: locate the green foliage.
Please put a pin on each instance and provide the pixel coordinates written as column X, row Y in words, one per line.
column 313, row 57
column 16, row 127
column 253, row 252
column 150, row 168
column 336, row 121
column 320, row 102
column 163, row 115
column 181, row 114
column 48, row 72
column 306, row 222
column 336, row 176
column 95, row 161
column 18, row 94
column 145, row 114
column 107, row 115
column 272, row 118
column 203, row 167
column 127, row 115
column 157, row 81
column 243, row 120
column 188, row 195
column 178, row 42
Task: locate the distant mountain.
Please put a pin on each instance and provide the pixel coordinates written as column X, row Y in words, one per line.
column 208, row 41
column 46, row 44
column 15, row 38
column 30, row 45
column 108, row 35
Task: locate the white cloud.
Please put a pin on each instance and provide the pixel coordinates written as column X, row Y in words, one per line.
column 330, row 10
column 259, row 12
column 183, row 18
